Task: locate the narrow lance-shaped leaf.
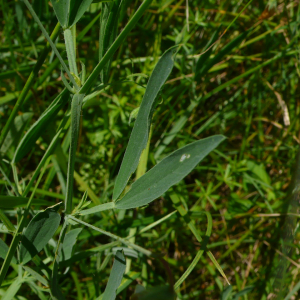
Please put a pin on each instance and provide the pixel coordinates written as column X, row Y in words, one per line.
column 68, row 244
column 245, row 291
column 139, row 136
column 115, row 277
column 35, row 131
column 75, row 126
column 226, row 293
column 10, row 202
column 108, row 31
column 168, row 172
column 12, row 290
column 69, row 12
column 38, row 233
column 224, row 51
column 15, row 133
column 157, row 293
column 204, row 57
column 3, row 251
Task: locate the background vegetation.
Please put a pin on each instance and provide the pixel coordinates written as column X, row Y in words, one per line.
column 245, row 87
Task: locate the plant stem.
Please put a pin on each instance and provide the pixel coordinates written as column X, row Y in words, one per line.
column 36, row 18
column 134, row 246
column 75, row 124
column 28, row 85
column 70, row 47
column 18, row 233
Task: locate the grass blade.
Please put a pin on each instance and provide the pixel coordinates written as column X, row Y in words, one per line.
column 4, row 250
column 15, row 133
column 108, row 32
column 48, row 152
column 10, row 202
column 183, row 119
column 36, row 18
column 28, row 85
column 18, row 232
column 35, row 131
column 13, row 289
column 113, row 48
column 226, row 293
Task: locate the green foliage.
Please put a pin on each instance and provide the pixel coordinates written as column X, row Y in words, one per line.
column 168, row 172
column 140, row 133
column 69, row 12
column 38, row 233
column 31, row 136
column 231, row 219
column 10, row 202
column 115, row 276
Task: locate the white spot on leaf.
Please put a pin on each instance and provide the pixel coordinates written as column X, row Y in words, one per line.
column 184, row 157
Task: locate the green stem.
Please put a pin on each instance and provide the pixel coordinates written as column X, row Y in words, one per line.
column 18, row 232
column 70, row 47
column 6, row 221
column 134, row 246
column 75, row 123
column 36, row 18
column 49, row 151
column 8, row 181
column 141, row 170
column 118, row 41
column 28, row 85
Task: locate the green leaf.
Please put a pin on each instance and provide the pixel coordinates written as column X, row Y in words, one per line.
column 259, row 171
column 13, row 289
column 245, row 291
column 115, row 277
column 10, row 202
column 75, row 127
column 4, row 250
column 157, row 293
column 139, row 136
column 68, row 12
column 98, row 208
column 35, row 131
column 168, row 172
column 204, row 57
column 224, row 51
column 69, row 242
column 36, row 275
column 226, row 293
column 108, row 32
column 237, row 205
column 15, row 132
column 38, row 233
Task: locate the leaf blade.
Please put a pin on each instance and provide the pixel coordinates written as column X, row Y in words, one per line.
column 35, row 131
column 139, row 136
column 39, row 231
column 10, row 202
column 115, row 277
column 168, row 172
